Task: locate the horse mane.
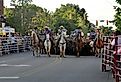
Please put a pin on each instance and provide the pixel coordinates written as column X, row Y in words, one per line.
column 34, row 38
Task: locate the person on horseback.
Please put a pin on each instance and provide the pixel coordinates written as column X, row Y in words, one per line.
column 61, row 29
column 35, row 29
column 35, row 42
column 47, row 30
column 92, row 35
column 98, row 34
column 78, row 41
column 98, row 43
column 78, row 30
column 62, row 40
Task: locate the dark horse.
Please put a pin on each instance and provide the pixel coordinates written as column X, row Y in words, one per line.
column 78, row 44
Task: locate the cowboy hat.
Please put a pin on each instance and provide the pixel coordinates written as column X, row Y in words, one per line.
column 46, row 27
column 61, row 26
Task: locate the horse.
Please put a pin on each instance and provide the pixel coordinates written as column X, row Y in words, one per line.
column 47, row 44
column 98, row 47
column 79, row 44
column 62, row 44
column 36, row 44
column 55, row 43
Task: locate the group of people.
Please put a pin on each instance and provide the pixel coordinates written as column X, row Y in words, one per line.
column 93, row 35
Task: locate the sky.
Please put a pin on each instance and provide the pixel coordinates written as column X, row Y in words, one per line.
column 96, row 9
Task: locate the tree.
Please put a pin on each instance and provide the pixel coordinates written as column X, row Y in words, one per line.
column 70, row 16
column 19, row 14
column 118, row 1
column 117, row 20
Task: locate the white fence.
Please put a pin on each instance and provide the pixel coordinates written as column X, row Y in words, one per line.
column 21, row 44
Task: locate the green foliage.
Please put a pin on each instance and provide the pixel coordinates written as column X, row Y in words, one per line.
column 70, row 16
column 26, row 16
column 118, row 1
column 118, row 16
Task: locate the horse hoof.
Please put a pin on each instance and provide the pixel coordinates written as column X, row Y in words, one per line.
column 99, row 56
column 39, row 56
column 33, row 55
column 64, row 57
column 77, row 56
column 96, row 55
column 60, row 55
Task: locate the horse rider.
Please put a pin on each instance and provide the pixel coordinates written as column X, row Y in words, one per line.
column 98, row 34
column 35, row 30
column 92, row 35
column 78, row 30
column 61, row 29
column 98, row 40
column 47, row 30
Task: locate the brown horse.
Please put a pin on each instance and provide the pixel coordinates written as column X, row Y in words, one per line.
column 79, row 44
column 36, row 44
column 98, row 47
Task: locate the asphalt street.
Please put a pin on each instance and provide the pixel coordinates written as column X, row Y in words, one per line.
column 23, row 67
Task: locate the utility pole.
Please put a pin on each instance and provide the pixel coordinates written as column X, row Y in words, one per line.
column 1, row 11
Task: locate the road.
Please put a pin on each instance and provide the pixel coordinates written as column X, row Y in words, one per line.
column 23, row 67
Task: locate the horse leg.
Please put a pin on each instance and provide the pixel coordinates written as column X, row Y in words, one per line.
column 77, row 49
column 97, row 52
column 78, row 54
column 48, row 53
column 61, row 51
column 100, row 52
column 55, row 50
column 93, row 50
column 49, row 49
column 38, row 51
column 33, row 53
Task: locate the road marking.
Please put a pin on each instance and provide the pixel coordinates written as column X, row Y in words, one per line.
column 6, row 65
column 9, row 77
column 35, row 70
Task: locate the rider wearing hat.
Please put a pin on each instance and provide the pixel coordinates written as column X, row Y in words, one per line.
column 47, row 30
column 78, row 30
column 35, row 30
column 61, row 29
column 98, row 34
